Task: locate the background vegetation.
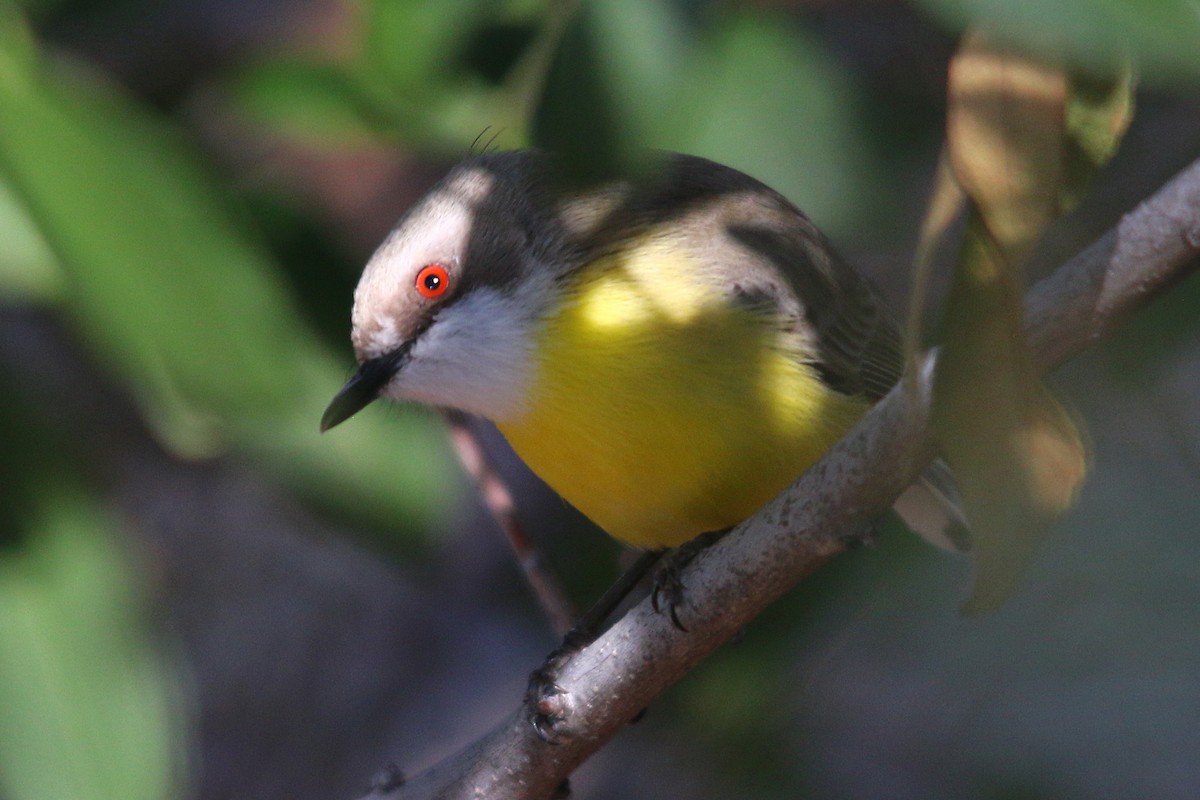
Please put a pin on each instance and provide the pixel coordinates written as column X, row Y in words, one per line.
column 199, row 596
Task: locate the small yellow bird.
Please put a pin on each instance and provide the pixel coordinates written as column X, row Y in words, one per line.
column 667, row 352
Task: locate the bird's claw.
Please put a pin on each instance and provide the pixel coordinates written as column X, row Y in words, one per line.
column 668, row 586
column 668, row 581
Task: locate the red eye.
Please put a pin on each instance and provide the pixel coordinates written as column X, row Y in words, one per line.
column 433, row 281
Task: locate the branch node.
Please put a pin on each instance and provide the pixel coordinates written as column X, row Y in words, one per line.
column 387, row 779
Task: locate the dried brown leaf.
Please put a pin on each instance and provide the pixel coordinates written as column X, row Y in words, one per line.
column 1005, row 130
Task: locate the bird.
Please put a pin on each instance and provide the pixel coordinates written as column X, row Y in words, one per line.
column 667, row 350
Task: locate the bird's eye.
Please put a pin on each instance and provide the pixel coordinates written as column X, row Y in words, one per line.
column 433, row 281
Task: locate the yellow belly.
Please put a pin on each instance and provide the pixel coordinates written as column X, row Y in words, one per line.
column 661, row 410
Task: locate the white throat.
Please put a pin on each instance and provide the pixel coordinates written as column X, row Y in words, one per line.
column 478, row 356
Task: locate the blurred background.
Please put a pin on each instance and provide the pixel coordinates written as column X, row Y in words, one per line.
column 202, row 598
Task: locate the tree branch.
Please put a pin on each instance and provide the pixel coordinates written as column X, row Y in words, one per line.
column 610, row 681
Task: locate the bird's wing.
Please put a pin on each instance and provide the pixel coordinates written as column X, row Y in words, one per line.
column 856, row 341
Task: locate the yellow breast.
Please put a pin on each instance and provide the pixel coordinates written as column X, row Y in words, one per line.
column 662, row 410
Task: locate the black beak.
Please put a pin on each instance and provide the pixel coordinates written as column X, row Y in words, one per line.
column 362, row 389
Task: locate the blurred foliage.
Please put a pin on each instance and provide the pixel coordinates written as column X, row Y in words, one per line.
column 716, row 93
column 578, row 85
column 113, row 218
column 415, row 78
column 174, row 276
column 28, row 269
column 1159, row 35
column 169, row 290
column 82, row 685
column 88, row 707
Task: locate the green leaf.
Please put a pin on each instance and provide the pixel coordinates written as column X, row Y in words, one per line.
column 1099, row 110
column 412, row 81
column 613, row 86
column 768, row 99
column 88, row 708
column 407, row 45
column 18, row 53
column 308, row 100
column 28, row 269
column 413, row 70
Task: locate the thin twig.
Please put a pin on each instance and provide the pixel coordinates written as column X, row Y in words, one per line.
column 611, row 680
column 499, row 502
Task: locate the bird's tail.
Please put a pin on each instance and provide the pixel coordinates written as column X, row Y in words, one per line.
column 933, row 508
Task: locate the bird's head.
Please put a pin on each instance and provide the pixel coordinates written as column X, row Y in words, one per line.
column 445, row 311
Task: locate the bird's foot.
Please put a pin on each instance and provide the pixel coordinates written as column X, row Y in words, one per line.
column 668, row 593
column 862, row 536
column 547, row 703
